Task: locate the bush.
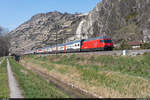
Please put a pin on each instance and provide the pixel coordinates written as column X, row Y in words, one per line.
column 124, row 45
column 4, row 42
column 145, row 46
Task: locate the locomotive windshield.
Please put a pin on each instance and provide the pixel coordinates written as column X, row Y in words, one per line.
column 106, row 41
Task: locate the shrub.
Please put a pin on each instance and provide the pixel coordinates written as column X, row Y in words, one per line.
column 124, row 45
column 145, row 46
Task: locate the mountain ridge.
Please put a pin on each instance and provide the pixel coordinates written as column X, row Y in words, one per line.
column 127, row 20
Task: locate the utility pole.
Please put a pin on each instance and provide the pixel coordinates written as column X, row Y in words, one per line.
column 57, row 26
column 56, row 42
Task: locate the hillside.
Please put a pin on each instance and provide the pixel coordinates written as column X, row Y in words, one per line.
column 121, row 19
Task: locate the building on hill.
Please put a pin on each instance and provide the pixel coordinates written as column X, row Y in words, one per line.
column 135, row 44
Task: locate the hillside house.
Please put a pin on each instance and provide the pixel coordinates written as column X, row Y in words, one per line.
column 135, row 45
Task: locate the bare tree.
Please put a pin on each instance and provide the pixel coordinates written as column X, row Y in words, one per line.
column 1, row 30
column 4, row 42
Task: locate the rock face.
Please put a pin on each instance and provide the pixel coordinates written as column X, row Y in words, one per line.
column 121, row 19
column 42, row 29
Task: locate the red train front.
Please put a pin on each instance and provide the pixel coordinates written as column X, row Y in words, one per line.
column 95, row 44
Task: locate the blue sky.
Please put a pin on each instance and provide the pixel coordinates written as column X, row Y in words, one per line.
column 16, row 12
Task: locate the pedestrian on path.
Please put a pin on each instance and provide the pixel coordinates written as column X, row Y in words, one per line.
column 17, row 58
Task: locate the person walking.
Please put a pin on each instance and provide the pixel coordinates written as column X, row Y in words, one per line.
column 17, row 58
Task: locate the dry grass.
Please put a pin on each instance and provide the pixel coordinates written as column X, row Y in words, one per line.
column 107, row 83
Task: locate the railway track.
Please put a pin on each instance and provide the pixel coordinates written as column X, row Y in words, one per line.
column 114, row 52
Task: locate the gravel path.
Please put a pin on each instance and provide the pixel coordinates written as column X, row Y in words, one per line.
column 14, row 89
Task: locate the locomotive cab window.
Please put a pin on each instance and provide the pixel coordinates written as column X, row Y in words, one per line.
column 108, row 41
column 101, row 41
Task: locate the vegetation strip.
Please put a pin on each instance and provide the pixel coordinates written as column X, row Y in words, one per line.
column 15, row 92
column 67, row 87
column 109, row 76
column 33, row 85
column 4, row 88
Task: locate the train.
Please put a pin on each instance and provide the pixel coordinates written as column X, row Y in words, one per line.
column 103, row 43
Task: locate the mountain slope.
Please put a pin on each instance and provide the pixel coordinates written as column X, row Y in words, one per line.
column 121, row 19
column 41, row 30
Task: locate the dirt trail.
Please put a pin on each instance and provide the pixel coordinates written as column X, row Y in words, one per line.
column 15, row 92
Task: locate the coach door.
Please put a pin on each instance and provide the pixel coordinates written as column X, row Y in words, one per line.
column 65, row 48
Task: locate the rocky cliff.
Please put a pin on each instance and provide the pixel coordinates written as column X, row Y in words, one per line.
column 43, row 29
column 122, row 19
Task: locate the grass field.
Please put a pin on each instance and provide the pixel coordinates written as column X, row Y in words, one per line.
column 4, row 88
column 107, row 76
column 32, row 85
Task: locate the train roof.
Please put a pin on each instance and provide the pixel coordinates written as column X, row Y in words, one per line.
column 72, row 42
column 67, row 43
column 61, row 44
column 102, row 37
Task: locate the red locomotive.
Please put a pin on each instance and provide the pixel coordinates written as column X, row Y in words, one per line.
column 95, row 44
